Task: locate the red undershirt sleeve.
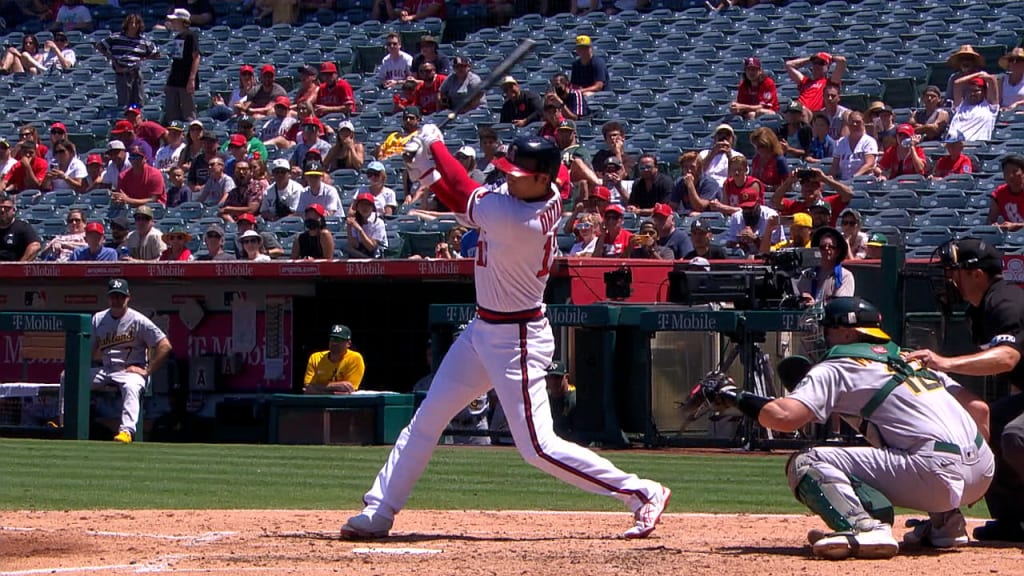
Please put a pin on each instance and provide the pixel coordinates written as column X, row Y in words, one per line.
column 455, row 186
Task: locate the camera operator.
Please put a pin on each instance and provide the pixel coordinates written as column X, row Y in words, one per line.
column 829, row 280
column 644, row 244
column 973, row 271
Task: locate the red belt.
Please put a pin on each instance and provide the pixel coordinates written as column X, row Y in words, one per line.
column 492, row 317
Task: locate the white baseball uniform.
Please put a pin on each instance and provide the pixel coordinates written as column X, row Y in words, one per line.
column 508, row 346
column 926, row 452
column 124, row 342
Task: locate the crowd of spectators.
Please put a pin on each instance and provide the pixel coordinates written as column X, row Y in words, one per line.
column 620, row 203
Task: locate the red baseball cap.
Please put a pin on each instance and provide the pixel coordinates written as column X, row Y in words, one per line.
column 282, row 101
column 365, row 196
column 750, row 199
column 133, row 108
column 752, row 62
column 122, row 126
column 311, row 121
column 245, row 68
column 978, row 82
column 59, row 126
column 238, row 140
column 824, row 57
column 246, row 218
column 267, row 68
column 663, row 210
column 95, row 227
column 906, row 129
column 617, row 208
column 94, row 159
column 601, row 193
column 328, row 67
column 322, row 212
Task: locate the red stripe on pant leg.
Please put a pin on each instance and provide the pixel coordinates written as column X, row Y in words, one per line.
column 527, row 406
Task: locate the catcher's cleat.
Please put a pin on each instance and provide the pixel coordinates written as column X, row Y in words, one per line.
column 124, row 437
column 877, row 543
column 945, row 530
column 365, row 527
column 647, row 516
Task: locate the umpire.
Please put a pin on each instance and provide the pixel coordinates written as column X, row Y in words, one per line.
column 973, row 269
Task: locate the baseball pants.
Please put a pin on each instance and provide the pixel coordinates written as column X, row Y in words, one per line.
column 512, row 359
column 1005, row 498
column 926, row 481
column 131, row 386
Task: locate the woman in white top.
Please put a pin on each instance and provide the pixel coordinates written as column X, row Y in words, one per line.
column 586, row 236
column 855, row 154
column 1011, row 87
column 26, row 60
column 252, row 243
column 367, row 237
column 59, row 55
column 67, row 171
column 62, row 245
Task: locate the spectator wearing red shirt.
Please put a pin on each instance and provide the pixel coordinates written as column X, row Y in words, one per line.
column 615, row 241
column 812, row 184
column 148, row 130
column 177, row 245
column 812, row 88
column 955, row 161
column 1008, row 198
column 769, row 165
column 29, row 132
column 140, row 183
column 738, row 185
column 904, row 157
column 757, row 93
column 552, row 120
column 428, row 94
column 335, row 94
column 30, row 170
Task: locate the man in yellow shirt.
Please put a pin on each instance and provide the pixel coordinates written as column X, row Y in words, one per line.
column 337, row 370
column 799, row 233
column 396, row 141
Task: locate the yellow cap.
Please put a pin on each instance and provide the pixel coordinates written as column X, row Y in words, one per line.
column 582, row 40
column 802, row 219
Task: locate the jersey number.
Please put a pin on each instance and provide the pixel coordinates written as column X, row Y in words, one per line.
column 919, row 384
column 545, row 269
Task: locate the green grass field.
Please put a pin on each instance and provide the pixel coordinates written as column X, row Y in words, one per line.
column 68, row 475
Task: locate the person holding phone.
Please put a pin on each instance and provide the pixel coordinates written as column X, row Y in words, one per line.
column 812, row 182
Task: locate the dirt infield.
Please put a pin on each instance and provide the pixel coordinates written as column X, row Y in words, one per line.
column 472, row 542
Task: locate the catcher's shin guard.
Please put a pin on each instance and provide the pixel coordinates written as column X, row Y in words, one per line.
column 830, row 493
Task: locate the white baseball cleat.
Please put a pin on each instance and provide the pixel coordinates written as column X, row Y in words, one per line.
column 647, row 516
column 942, row 530
column 364, row 527
column 876, row 543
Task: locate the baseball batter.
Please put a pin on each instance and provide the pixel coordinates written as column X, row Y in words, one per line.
column 926, row 450
column 509, row 343
column 122, row 338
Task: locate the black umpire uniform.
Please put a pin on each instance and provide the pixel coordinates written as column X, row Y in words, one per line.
column 998, row 321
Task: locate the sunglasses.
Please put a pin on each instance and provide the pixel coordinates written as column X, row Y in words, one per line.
column 25, row 134
column 6, row 208
column 372, row 173
column 281, row 171
column 213, row 235
column 646, row 167
column 75, row 220
column 584, row 226
column 392, row 44
column 826, row 246
column 250, row 241
column 57, row 131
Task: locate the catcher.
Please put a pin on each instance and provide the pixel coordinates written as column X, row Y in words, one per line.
column 926, row 450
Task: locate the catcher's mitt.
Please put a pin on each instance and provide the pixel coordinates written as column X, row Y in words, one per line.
column 714, row 394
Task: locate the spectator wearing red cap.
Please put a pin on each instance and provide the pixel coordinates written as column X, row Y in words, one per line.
column 94, row 250
column 367, row 237
column 29, row 173
column 248, row 193
column 750, row 223
column 663, row 217
column 317, row 242
column 67, row 171
column 904, row 157
column 140, row 183
column 276, row 127
column 615, row 240
column 396, row 65
column 309, row 140
column 812, row 87
column 222, row 110
column 151, row 132
column 812, row 185
column 124, row 131
column 975, row 106
column 651, row 188
column 261, row 99
column 335, row 94
column 757, row 93
column 217, row 186
column 94, row 168
column 126, row 51
column 58, row 133
column 183, row 77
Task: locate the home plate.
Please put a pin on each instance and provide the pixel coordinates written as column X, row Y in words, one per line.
column 395, row 551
